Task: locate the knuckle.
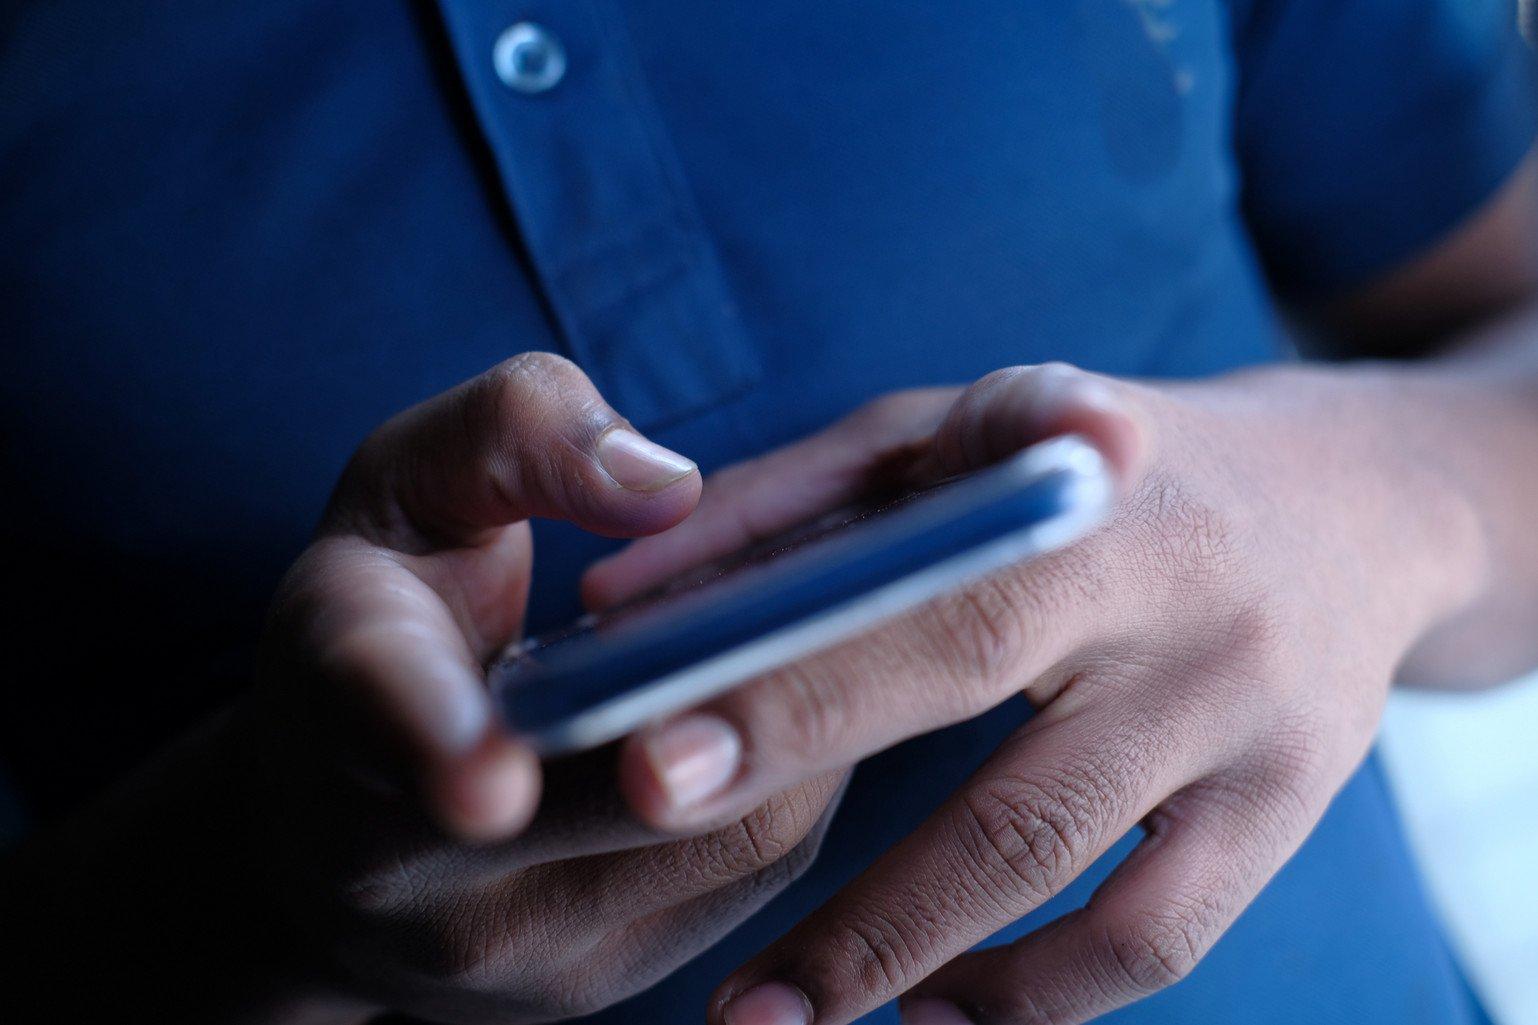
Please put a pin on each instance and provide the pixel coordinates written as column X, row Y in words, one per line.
column 1003, row 376
column 985, row 626
column 1255, row 630
column 505, row 391
column 1158, row 951
column 532, row 370
column 532, row 391
column 812, row 720
column 761, row 838
column 770, row 831
column 962, row 439
column 1251, row 646
column 497, row 401
column 976, row 399
column 1031, row 835
column 878, row 954
column 531, row 423
column 775, row 843
column 1280, row 791
column 810, row 804
column 996, row 635
column 1025, row 382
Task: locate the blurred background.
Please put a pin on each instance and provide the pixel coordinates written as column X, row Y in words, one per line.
column 1465, row 768
column 1466, row 773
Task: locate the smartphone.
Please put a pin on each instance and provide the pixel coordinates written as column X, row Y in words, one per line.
column 783, row 599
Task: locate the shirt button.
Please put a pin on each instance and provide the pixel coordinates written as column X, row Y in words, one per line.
column 528, row 58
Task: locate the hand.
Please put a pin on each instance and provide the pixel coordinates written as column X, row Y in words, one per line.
column 342, row 842
column 374, row 692
column 1211, row 665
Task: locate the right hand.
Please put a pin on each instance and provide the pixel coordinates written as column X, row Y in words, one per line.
column 392, row 792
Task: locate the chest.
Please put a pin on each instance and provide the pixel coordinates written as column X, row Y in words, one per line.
column 238, row 239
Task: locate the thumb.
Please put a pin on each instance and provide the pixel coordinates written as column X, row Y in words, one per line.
column 530, row 437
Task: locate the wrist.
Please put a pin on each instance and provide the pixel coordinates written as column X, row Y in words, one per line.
column 1357, row 458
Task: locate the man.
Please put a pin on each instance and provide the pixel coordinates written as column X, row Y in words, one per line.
column 240, row 237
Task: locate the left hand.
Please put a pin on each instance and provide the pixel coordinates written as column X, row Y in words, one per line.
column 1212, row 664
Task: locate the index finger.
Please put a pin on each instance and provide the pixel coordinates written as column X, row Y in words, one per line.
column 529, row 437
column 757, row 499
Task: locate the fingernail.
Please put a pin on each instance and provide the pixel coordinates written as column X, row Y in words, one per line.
column 640, row 465
column 768, row 1003
column 693, row 758
column 930, row 1011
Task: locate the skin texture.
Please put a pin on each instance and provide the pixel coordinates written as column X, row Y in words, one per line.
column 359, row 833
column 1211, row 665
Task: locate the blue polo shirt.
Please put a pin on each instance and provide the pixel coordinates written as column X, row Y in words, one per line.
column 235, row 236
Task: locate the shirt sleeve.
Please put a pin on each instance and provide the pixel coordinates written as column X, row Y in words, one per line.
column 1366, row 130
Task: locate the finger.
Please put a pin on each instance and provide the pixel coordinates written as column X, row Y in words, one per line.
column 1210, row 849
column 581, row 815
column 949, row 661
column 596, row 856
column 377, row 658
column 1051, row 801
column 998, row 415
column 530, row 437
column 760, row 498
column 1018, row 406
column 770, row 844
column 669, row 936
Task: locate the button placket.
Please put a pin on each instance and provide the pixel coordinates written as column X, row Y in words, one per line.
column 628, row 271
